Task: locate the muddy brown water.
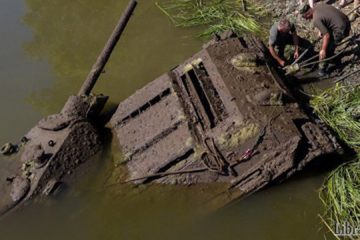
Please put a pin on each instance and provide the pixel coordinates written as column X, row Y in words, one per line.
column 47, row 49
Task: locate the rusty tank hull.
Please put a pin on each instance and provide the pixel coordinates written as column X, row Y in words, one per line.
column 223, row 116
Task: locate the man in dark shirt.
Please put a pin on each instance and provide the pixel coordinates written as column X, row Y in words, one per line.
column 333, row 26
column 283, row 33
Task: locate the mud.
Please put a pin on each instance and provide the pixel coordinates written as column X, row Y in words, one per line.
column 225, row 111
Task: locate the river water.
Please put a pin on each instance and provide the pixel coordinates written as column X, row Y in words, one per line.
column 47, row 49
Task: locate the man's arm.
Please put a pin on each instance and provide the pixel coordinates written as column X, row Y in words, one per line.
column 311, row 3
column 325, row 36
column 324, row 46
column 276, row 56
column 296, row 44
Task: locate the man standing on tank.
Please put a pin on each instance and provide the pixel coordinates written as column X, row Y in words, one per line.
column 283, row 33
column 333, row 26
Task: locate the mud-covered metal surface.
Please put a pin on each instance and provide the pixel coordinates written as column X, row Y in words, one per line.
column 222, row 116
column 50, row 150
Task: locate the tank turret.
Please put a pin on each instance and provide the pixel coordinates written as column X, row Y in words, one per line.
column 60, row 142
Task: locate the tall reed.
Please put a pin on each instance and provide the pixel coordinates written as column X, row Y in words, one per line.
column 216, row 16
column 339, row 107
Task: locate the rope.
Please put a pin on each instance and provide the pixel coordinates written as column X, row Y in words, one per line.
column 324, row 60
column 347, row 75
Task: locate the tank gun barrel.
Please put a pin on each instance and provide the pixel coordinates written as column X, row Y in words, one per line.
column 104, row 56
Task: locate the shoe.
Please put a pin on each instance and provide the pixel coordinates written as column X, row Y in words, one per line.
column 353, row 16
column 322, row 73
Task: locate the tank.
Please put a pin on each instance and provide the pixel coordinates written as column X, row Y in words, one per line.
column 59, row 143
column 223, row 116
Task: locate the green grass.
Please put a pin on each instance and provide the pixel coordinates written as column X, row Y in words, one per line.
column 215, row 15
column 340, row 195
column 339, row 107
